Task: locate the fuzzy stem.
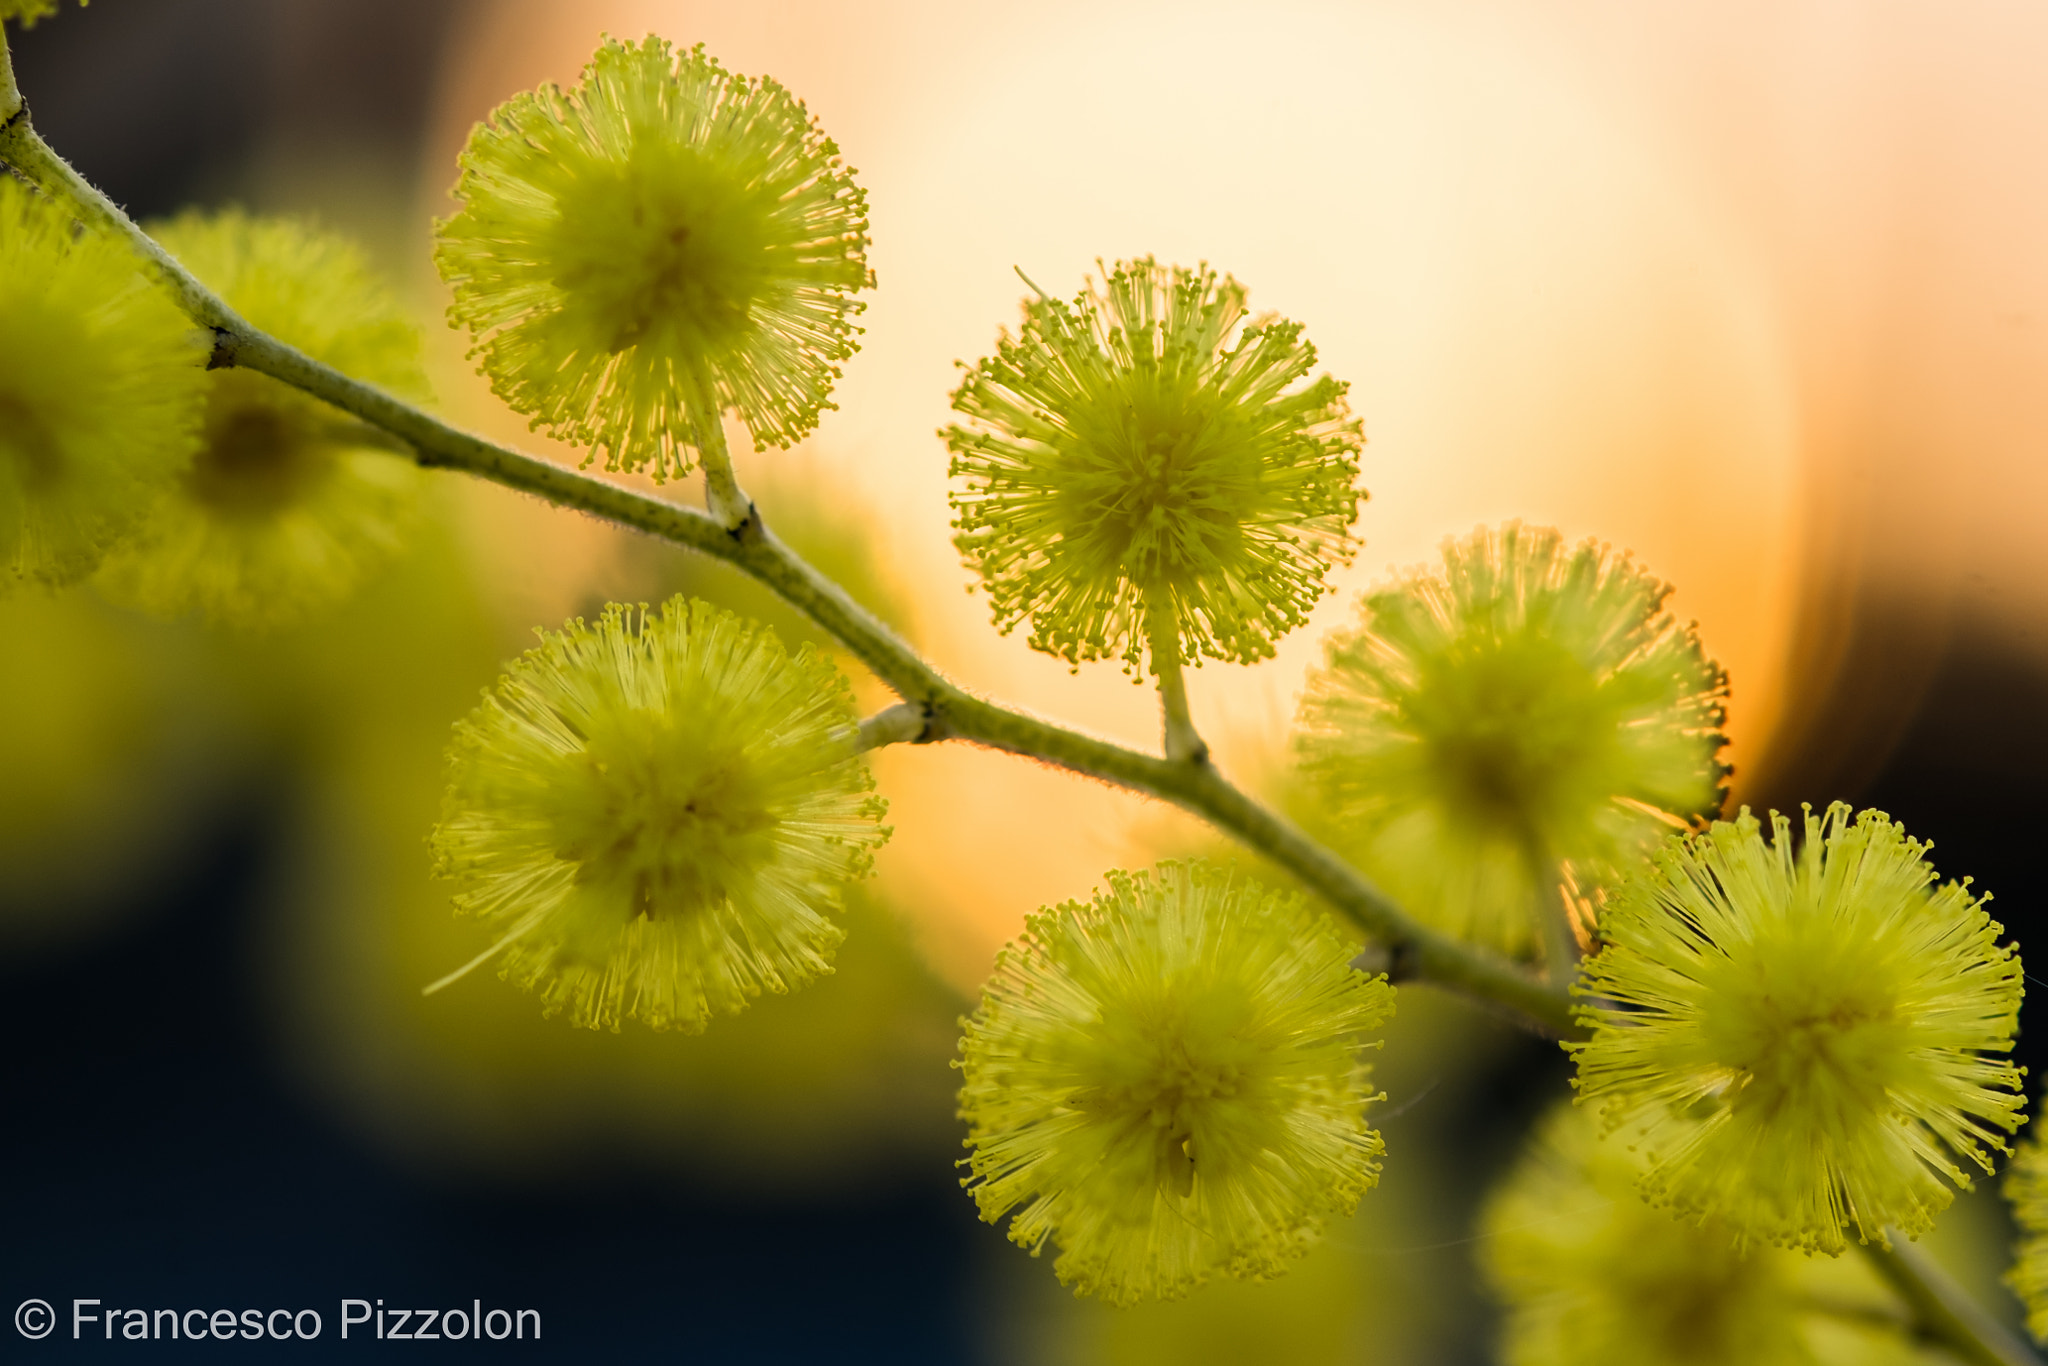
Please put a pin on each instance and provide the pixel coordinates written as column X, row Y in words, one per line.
column 903, row 724
column 1941, row 1311
column 1409, row 949
column 728, row 503
column 10, row 94
column 1181, row 742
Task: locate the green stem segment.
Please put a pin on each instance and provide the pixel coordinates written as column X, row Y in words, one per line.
column 1942, row 1312
column 1181, row 742
column 1411, row 949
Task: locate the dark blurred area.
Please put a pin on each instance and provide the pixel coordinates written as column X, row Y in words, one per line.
column 167, row 1150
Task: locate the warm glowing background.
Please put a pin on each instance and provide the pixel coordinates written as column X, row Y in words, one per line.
column 1754, row 291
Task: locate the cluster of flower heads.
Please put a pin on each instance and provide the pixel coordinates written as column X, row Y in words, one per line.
column 1802, row 1044
column 100, row 392
column 1526, row 703
column 1165, row 1083
column 663, row 243
column 1591, row 1275
column 288, row 504
column 1145, row 472
column 658, row 812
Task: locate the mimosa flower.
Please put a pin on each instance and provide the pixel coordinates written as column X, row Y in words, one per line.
column 659, row 813
column 1147, row 450
column 100, row 381
column 289, row 503
column 663, row 243
column 1165, row 1083
column 1802, row 1045
column 1525, row 704
column 1592, row 1276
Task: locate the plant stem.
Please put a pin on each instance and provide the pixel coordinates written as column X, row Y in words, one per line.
column 1942, row 1312
column 728, row 503
column 1412, row 950
column 10, row 93
column 1181, row 742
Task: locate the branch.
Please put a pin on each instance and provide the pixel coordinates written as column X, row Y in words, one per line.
column 1411, row 950
column 1942, row 1312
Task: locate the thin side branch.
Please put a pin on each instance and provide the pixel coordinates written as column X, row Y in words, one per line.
column 1181, row 742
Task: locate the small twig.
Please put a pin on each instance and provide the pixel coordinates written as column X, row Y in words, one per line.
column 1181, row 741
column 905, row 723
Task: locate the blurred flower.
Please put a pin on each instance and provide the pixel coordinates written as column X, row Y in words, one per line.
column 99, row 391
column 1798, row 1044
column 1167, row 1081
column 2026, row 1186
column 1525, row 705
column 1593, row 1276
column 664, row 242
column 1140, row 473
column 28, row 11
column 659, row 811
column 289, row 504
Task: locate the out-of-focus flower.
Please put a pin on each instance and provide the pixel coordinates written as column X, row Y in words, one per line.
column 2026, row 1186
column 663, row 243
column 659, row 813
column 1525, row 704
column 1165, row 1083
column 1802, row 1044
column 289, row 503
column 1144, row 472
column 99, row 391
column 1593, row 1276
column 28, row 11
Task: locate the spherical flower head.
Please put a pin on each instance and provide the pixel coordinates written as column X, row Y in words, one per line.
column 663, row 243
column 289, row 504
column 660, row 811
column 2026, row 1187
column 1165, row 1083
column 1525, row 703
column 99, row 392
column 1147, row 449
column 1802, row 1043
column 1590, row 1275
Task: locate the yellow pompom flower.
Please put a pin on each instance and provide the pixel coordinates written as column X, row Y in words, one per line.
column 289, row 504
column 1802, row 1044
column 1144, row 472
column 99, row 392
column 1165, row 1082
column 659, row 812
column 2026, row 1187
column 1525, row 704
column 1590, row 1275
column 663, row 243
